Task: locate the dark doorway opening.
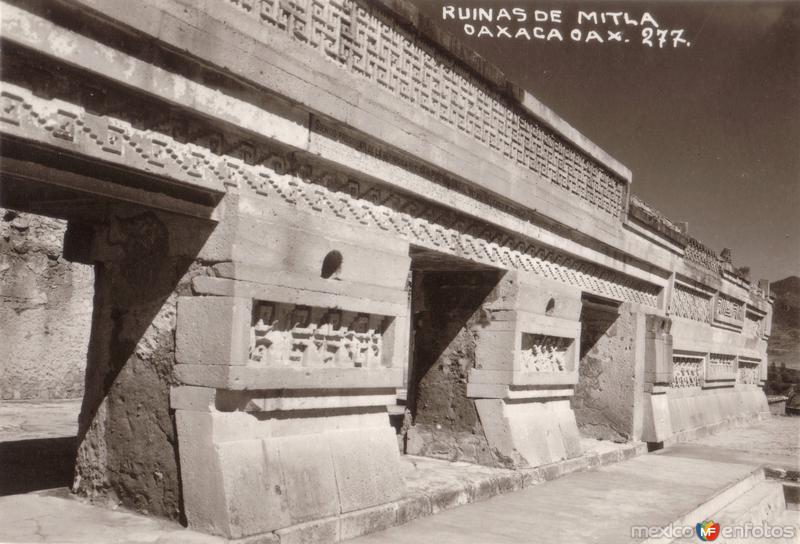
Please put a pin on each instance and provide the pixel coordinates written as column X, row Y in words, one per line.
column 446, row 298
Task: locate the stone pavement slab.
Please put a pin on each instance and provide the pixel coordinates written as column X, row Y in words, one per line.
column 776, row 437
column 42, row 517
column 773, row 443
column 596, row 506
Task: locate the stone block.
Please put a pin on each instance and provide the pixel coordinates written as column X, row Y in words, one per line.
column 204, row 503
column 366, row 464
column 410, row 508
column 657, row 425
column 213, row 330
column 369, row 520
column 309, row 477
column 498, row 431
column 568, row 428
column 320, row 531
column 297, row 242
column 189, row 397
column 444, row 499
column 530, row 428
column 495, row 349
column 263, row 538
column 548, row 297
column 255, row 492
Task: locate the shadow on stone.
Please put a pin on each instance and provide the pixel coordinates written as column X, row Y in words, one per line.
column 36, row 464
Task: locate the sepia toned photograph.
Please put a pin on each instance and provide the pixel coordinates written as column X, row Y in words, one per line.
column 392, row 271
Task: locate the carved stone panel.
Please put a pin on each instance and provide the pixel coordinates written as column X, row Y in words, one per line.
column 298, row 336
column 753, row 325
column 540, row 353
column 747, row 372
column 687, row 372
column 729, row 309
column 721, row 367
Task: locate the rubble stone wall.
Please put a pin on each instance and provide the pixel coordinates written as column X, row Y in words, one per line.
column 45, row 310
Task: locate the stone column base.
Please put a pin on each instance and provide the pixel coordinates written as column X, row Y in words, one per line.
column 250, row 472
column 530, row 434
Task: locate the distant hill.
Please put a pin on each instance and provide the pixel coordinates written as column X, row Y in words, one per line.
column 784, row 343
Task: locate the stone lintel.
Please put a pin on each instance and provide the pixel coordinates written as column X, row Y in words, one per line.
column 247, row 377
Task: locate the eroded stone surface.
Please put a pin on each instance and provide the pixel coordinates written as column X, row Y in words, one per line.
column 45, row 310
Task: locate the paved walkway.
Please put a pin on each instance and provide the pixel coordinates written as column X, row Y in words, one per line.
column 597, row 506
column 43, row 517
column 32, row 420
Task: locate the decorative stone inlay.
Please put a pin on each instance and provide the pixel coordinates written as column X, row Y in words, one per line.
column 303, row 336
column 730, row 308
column 540, row 353
column 747, row 372
column 366, row 43
column 753, row 325
column 698, row 253
column 162, row 149
column 691, row 304
column 64, row 124
column 687, row 372
column 721, row 367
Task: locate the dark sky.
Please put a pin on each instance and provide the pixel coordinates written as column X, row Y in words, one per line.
column 711, row 131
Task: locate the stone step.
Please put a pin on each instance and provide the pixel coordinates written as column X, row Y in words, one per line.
column 763, row 505
column 603, row 505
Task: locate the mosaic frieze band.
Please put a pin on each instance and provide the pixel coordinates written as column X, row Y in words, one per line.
column 691, row 304
column 687, row 372
column 542, row 353
column 699, row 254
column 303, row 336
column 366, row 43
column 256, row 168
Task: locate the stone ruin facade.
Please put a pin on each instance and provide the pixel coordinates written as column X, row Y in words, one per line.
column 296, row 209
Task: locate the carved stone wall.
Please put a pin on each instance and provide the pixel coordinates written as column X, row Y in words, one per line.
column 184, row 150
column 363, row 41
column 303, row 336
column 691, row 304
column 687, row 372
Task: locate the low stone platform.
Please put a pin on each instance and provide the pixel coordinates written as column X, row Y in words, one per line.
column 592, row 506
column 432, row 486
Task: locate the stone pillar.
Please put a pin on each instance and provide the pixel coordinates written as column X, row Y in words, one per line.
column 144, row 260
column 657, row 425
column 608, row 398
column 526, row 369
column 288, row 358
